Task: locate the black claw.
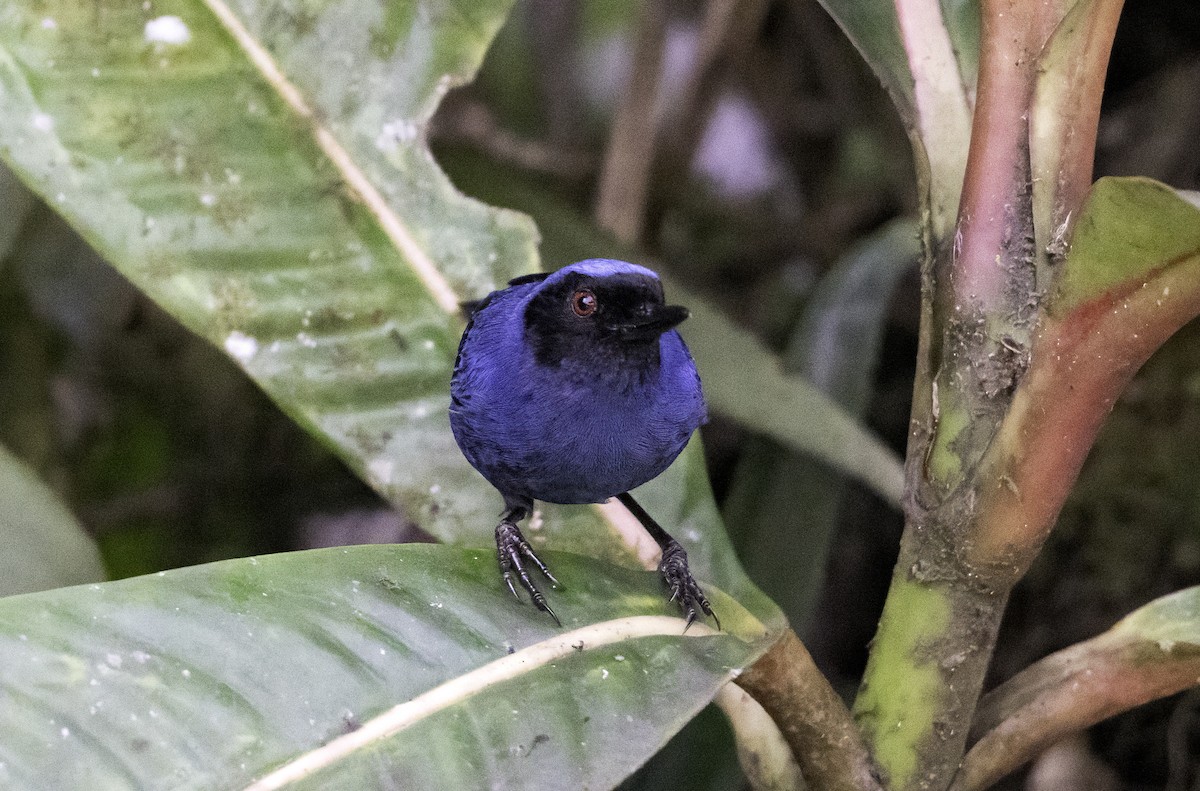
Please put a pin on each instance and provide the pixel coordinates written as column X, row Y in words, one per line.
column 508, row 581
column 674, row 566
column 683, row 586
column 512, row 550
column 546, row 609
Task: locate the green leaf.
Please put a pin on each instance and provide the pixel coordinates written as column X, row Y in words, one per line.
column 962, row 24
column 41, row 544
column 214, row 676
column 838, row 341
column 188, row 168
column 1169, row 622
column 926, row 54
column 874, row 29
column 1129, row 231
column 267, row 181
column 836, row 346
column 752, row 389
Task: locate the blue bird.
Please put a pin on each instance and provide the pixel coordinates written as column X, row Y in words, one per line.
column 573, row 387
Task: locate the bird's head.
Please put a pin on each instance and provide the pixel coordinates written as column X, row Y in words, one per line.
column 599, row 307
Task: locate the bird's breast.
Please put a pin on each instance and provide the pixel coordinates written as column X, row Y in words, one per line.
column 572, row 434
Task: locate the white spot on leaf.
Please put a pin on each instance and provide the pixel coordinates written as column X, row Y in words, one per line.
column 382, row 470
column 241, row 346
column 167, row 30
column 394, row 133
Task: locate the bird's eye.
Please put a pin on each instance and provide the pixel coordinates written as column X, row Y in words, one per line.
column 583, row 302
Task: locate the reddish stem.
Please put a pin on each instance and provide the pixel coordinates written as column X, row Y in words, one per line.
column 1067, row 692
column 994, row 207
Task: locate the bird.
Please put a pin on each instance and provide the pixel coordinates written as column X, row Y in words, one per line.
column 574, row 387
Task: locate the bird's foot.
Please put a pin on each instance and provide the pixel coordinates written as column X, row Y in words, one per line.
column 682, row 585
column 513, row 550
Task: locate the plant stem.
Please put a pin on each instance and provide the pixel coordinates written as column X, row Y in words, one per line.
column 1081, row 364
column 927, row 666
column 811, row 716
column 764, row 755
column 942, row 112
column 982, row 308
column 1067, row 692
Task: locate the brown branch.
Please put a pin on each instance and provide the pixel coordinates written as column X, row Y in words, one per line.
column 1067, row 692
column 813, row 719
column 624, row 180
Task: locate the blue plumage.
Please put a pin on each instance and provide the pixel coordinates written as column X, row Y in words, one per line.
column 574, row 387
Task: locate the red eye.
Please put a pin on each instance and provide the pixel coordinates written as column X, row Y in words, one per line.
column 583, row 302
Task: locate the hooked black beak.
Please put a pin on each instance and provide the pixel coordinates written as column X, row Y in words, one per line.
column 660, row 319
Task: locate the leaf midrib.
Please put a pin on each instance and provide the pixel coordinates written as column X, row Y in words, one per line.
column 474, row 682
column 397, row 232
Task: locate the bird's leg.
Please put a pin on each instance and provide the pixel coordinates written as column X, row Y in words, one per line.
column 673, row 566
column 513, row 550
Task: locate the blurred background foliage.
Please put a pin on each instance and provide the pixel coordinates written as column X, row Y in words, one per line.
column 784, row 198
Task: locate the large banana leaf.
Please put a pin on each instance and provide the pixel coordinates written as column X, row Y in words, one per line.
column 216, row 676
column 260, row 170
